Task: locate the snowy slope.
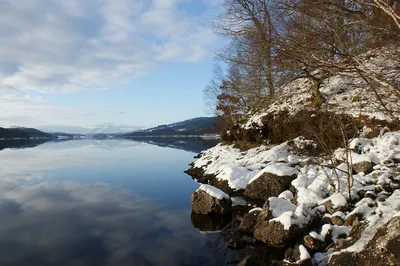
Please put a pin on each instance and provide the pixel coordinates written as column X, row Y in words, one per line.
column 343, row 92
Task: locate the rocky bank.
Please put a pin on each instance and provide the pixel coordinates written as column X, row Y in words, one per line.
column 275, row 189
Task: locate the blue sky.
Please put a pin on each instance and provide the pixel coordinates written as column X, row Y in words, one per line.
column 90, row 62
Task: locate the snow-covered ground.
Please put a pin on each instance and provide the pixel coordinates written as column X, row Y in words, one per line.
column 345, row 93
column 316, row 184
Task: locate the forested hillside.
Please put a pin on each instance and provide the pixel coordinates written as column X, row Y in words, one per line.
column 22, row 133
column 194, row 126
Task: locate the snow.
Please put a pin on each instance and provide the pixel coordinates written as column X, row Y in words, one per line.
column 381, row 149
column 344, row 93
column 286, row 195
column 280, row 170
column 278, row 206
column 307, row 196
column 213, row 191
column 338, row 231
column 304, row 253
column 276, row 169
column 337, row 199
column 326, row 228
column 301, row 216
column 356, row 158
column 286, row 219
column 255, row 209
column 315, row 235
column 238, row 168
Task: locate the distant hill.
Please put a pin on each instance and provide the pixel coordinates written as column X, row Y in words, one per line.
column 195, row 126
column 23, row 133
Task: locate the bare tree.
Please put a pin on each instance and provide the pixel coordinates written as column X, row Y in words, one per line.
column 250, row 25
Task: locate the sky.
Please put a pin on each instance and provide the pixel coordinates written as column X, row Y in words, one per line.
column 90, row 62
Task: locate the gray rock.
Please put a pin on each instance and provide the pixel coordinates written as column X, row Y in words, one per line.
column 268, row 185
column 365, row 167
column 202, row 202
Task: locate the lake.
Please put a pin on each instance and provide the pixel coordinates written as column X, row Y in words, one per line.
column 102, row 202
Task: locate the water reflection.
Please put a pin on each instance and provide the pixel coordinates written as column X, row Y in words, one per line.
column 191, row 144
column 93, row 224
column 109, row 202
column 21, row 143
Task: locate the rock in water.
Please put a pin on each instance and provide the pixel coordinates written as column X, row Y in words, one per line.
column 268, row 185
column 210, row 222
column 202, row 202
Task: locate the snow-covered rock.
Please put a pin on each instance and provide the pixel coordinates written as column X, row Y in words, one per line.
column 268, row 185
column 208, row 199
column 315, row 196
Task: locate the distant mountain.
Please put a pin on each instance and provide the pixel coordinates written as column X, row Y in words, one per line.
column 195, row 126
column 23, row 133
column 97, row 129
column 64, row 129
column 112, row 128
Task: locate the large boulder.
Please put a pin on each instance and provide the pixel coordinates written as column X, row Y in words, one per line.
column 383, row 249
column 289, row 227
column 268, row 185
column 273, row 234
column 208, row 199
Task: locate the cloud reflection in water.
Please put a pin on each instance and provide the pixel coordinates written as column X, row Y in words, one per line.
column 94, row 224
column 54, row 212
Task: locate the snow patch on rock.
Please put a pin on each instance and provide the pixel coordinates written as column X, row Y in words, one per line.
column 214, row 192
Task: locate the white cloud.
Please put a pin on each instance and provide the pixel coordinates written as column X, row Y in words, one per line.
column 68, row 46
column 51, row 46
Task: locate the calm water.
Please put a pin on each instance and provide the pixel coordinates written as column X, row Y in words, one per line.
column 109, row 202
